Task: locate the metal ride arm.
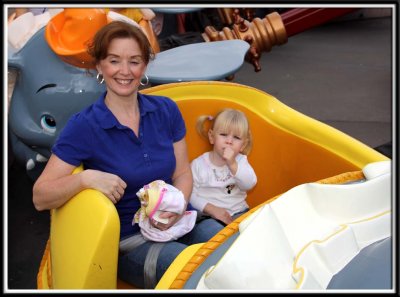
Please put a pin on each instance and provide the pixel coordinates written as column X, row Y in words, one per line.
column 273, row 29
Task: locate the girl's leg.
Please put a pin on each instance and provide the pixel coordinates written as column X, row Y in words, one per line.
column 202, row 232
column 238, row 214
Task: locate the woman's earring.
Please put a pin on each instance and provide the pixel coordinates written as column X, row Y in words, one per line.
column 147, row 81
column 100, row 78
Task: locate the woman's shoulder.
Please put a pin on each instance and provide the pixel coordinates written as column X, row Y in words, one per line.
column 84, row 118
column 84, row 115
column 94, row 112
column 159, row 101
column 156, row 98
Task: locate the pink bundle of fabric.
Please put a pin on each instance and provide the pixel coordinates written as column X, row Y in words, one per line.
column 158, row 197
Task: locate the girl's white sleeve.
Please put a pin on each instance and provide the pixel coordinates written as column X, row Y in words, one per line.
column 195, row 200
column 245, row 176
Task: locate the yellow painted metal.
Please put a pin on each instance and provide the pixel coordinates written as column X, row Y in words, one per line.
column 289, row 149
column 43, row 284
column 84, row 239
column 84, row 243
column 177, row 265
column 43, row 277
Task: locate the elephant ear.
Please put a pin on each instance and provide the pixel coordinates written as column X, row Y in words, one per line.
column 14, row 64
column 13, row 58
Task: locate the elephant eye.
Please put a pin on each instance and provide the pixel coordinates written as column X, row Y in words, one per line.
column 45, row 87
column 48, row 123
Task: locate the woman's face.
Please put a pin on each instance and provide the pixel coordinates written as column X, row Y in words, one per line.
column 123, row 67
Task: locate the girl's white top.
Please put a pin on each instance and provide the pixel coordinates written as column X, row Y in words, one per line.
column 218, row 186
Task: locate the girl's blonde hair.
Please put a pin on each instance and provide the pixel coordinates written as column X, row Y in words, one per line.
column 227, row 120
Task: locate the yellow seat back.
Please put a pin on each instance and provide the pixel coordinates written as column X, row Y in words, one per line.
column 289, row 148
column 84, row 238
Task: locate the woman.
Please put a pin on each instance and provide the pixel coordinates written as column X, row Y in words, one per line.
column 124, row 140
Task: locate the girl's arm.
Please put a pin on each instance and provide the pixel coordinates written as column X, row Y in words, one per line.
column 218, row 213
column 245, row 176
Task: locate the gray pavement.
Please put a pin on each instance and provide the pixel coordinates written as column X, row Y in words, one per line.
column 338, row 73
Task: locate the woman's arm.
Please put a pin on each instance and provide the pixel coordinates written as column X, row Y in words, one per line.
column 182, row 180
column 56, row 185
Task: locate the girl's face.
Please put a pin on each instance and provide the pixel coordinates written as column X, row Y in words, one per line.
column 123, row 67
column 221, row 140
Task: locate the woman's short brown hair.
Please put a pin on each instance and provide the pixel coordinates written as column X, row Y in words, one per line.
column 98, row 49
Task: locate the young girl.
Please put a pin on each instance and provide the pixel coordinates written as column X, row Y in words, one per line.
column 222, row 176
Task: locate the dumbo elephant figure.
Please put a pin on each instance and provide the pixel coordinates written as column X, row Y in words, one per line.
column 46, row 93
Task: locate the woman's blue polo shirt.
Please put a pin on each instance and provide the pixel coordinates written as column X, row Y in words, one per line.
column 95, row 138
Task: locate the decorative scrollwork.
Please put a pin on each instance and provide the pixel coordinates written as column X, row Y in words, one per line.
column 261, row 34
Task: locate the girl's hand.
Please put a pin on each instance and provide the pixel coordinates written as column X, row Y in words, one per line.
column 229, row 155
column 218, row 213
column 109, row 184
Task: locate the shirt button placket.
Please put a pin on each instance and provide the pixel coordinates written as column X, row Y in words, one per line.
column 146, row 158
column 145, row 155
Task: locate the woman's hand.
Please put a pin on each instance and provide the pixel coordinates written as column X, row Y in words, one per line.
column 109, row 184
column 218, row 213
column 172, row 219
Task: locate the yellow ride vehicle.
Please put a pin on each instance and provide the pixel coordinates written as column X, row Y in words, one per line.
column 289, row 149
